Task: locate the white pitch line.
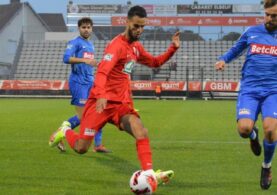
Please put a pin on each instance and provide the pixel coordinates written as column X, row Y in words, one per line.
column 189, row 142
column 151, row 141
column 197, row 142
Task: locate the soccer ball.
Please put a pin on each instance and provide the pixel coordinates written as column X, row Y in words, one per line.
column 143, row 182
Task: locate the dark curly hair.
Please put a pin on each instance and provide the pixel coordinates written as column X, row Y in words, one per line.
column 269, row 3
column 85, row 20
column 137, row 11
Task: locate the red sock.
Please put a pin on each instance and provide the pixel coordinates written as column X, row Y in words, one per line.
column 144, row 153
column 71, row 137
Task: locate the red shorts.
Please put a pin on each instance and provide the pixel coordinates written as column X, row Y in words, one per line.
column 92, row 121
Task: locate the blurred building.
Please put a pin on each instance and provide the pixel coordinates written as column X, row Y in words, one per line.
column 19, row 22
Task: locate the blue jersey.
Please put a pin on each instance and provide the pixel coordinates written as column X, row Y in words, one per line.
column 259, row 71
column 80, row 48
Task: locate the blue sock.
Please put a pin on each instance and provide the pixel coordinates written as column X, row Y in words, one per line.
column 268, row 151
column 74, row 121
column 98, row 138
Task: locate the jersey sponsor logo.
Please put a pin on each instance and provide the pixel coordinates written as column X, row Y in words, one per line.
column 128, row 67
column 69, row 46
column 244, row 111
column 89, row 132
column 88, row 55
column 108, row 57
column 82, row 101
column 263, row 49
column 253, row 37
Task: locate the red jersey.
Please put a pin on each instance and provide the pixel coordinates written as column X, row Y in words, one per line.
column 112, row 80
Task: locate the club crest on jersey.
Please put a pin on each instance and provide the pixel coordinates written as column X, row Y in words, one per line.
column 88, row 55
column 89, row 132
column 128, row 67
column 244, row 111
column 108, row 57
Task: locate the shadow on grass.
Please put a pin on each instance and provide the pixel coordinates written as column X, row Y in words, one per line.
column 117, row 164
column 113, row 162
column 219, row 187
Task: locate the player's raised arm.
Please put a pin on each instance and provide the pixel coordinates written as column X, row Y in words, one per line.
column 156, row 61
column 236, row 50
column 232, row 53
column 176, row 39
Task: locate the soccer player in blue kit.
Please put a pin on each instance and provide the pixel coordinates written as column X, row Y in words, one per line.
column 258, row 90
column 80, row 54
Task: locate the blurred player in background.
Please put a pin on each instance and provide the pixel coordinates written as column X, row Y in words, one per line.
column 80, row 54
column 110, row 98
column 258, row 90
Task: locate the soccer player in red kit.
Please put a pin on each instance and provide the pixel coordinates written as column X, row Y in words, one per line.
column 110, row 98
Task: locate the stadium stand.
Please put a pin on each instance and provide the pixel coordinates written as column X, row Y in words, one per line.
column 37, row 58
column 5, row 70
column 193, row 61
column 42, row 60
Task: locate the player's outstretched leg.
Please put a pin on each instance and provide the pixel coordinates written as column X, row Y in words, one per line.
column 269, row 144
column 266, row 173
column 254, row 142
column 266, row 178
column 133, row 125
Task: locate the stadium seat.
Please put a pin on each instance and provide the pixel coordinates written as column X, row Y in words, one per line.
column 43, row 60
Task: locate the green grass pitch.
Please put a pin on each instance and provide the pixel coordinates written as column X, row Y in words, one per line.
column 196, row 139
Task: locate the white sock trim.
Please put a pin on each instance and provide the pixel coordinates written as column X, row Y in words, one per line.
column 266, row 165
column 254, row 135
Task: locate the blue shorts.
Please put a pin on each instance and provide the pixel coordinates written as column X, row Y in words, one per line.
column 250, row 105
column 79, row 93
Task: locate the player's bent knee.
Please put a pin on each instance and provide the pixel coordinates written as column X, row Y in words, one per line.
column 244, row 135
column 244, row 130
column 81, row 146
column 81, row 150
column 247, row 128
